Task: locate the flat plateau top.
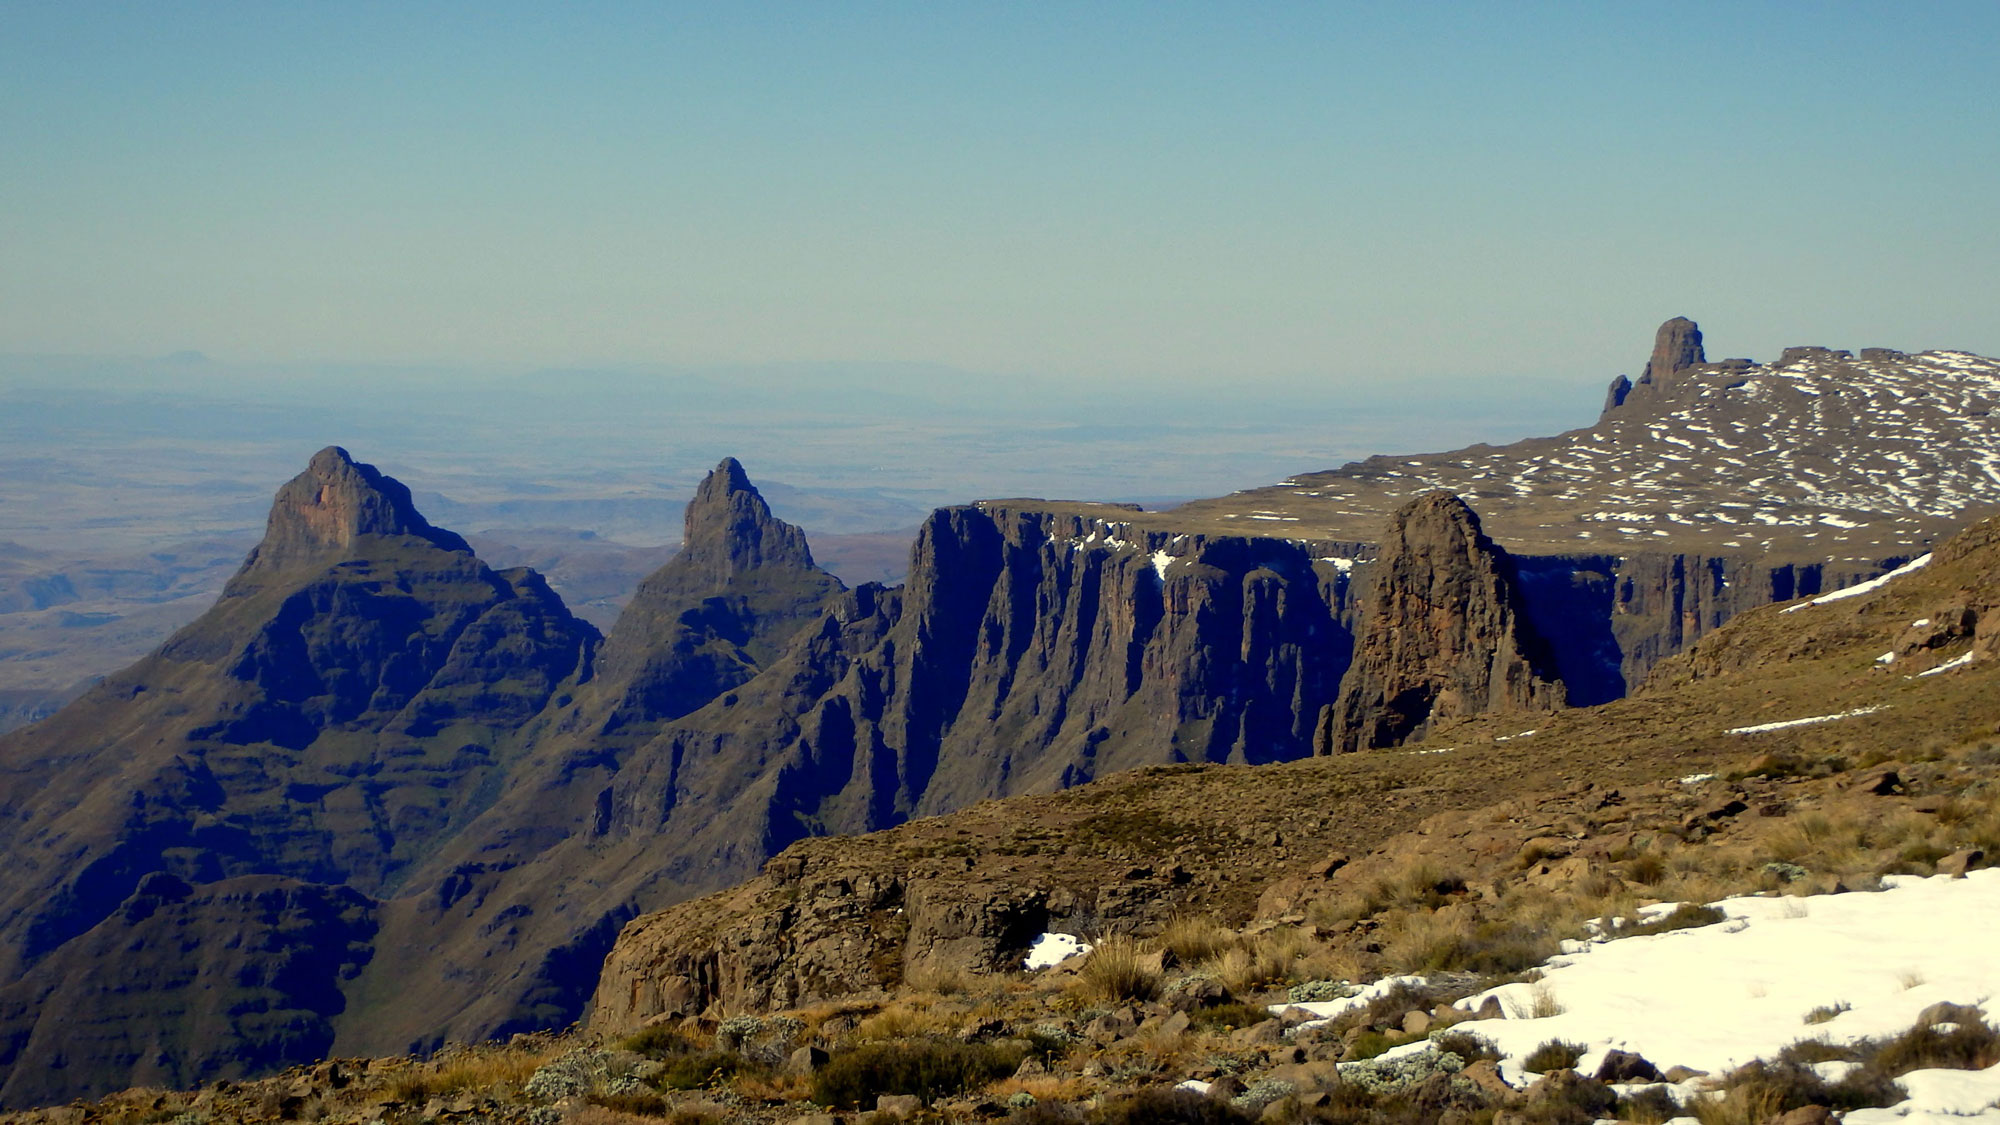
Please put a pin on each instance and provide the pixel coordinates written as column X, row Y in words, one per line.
column 1818, row 456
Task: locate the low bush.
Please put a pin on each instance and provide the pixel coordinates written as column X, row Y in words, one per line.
column 928, row 1068
column 658, row 1041
column 1650, row 1106
column 1229, row 1015
column 1759, row 1091
column 1686, row 916
column 701, row 1070
column 1556, row 1054
column 1433, row 943
column 1962, row 1041
column 639, row 1105
column 1168, row 1107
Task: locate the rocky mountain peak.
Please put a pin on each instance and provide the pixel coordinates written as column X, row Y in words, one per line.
column 334, row 502
column 743, row 583
column 729, row 528
column 1445, row 634
column 1676, row 347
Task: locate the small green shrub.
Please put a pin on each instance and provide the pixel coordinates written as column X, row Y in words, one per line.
column 928, row 1068
column 1232, row 1014
column 1650, row 1106
column 657, row 1042
column 1686, row 916
column 1556, row 1054
column 703, row 1070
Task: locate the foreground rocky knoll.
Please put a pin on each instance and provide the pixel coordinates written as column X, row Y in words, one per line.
column 463, row 793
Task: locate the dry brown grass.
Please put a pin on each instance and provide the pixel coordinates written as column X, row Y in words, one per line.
column 1193, row 938
column 907, row 1017
column 929, row 976
column 1114, row 972
column 494, row 1068
column 1042, row 1087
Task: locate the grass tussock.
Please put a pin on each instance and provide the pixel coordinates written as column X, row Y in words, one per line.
column 1194, row 938
column 1117, row 971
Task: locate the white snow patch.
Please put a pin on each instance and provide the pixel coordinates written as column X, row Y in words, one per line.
column 1716, row 997
column 1340, row 564
column 1860, row 588
column 1697, row 778
column 1161, row 560
column 1920, row 622
column 1948, row 665
column 1787, row 724
column 1512, row 737
column 1886, row 658
column 1053, row 949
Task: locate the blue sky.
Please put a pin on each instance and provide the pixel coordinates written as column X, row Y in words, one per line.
column 1124, row 192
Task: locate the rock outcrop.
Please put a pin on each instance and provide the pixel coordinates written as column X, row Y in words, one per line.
column 1676, row 347
column 1444, row 634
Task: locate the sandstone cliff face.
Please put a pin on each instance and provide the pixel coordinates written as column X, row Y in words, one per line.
column 1445, row 634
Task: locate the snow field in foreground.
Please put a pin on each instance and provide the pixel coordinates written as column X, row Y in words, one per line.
column 1715, row 997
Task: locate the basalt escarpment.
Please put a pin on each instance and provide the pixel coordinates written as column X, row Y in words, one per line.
column 1027, row 653
column 1446, row 634
column 352, row 699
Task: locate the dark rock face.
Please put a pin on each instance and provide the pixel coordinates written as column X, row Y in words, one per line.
column 1444, row 634
column 1027, row 652
column 1676, row 347
column 1615, row 397
column 332, row 504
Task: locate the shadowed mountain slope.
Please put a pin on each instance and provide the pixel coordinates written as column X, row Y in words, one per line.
column 352, row 699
